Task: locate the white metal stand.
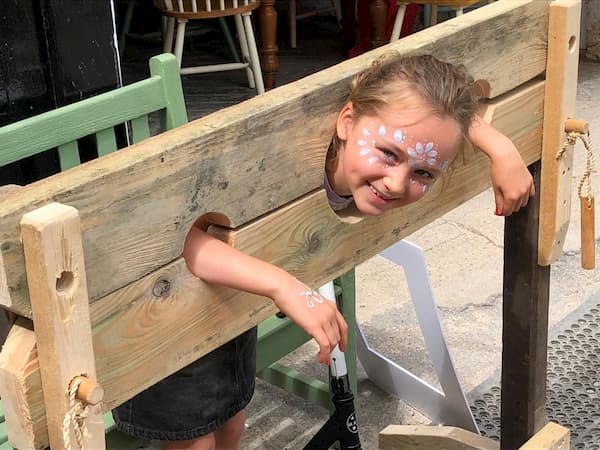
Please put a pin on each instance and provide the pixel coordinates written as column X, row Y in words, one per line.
column 446, row 407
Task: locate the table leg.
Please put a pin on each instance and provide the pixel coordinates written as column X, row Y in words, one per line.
column 268, row 32
column 378, row 10
column 348, row 24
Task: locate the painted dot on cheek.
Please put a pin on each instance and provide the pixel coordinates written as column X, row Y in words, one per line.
column 364, row 152
column 361, row 142
column 381, row 130
column 373, row 159
column 366, row 132
column 398, row 136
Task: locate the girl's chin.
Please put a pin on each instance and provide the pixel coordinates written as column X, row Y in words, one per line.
column 368, row 209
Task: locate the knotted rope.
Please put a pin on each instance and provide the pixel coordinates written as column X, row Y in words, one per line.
column 75, row 416
column 586, row 178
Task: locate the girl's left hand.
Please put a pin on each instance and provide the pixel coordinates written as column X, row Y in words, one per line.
column 512, row 182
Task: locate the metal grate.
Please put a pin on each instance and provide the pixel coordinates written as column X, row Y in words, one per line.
column 573, row 383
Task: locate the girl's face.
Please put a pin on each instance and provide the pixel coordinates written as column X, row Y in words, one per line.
column 393, row 158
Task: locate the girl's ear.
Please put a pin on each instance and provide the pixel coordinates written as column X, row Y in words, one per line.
column 344, row 121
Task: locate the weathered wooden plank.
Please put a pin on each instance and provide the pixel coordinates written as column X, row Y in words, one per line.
column 57, row 282
column 162, row 322
column 525, row 292
column 20, row 384
column 561, row 78
column 552, row 437
column 428, row 437
column 137, row 204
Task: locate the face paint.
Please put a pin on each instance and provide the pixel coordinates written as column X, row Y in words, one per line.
column 423, row 154
column 311, row 297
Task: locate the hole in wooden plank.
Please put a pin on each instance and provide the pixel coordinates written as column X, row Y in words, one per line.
column 572, row 42
column 65, row 282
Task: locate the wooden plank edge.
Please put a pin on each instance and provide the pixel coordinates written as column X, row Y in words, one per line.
column 428, row 437
column 551, row 437
column 559, row 104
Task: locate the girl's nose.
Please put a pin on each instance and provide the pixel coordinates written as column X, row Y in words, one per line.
column 397, row 180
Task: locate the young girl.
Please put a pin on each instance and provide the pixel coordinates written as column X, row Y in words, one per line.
column 397, row 134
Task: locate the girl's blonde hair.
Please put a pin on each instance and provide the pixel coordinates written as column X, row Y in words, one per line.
column 445, row 88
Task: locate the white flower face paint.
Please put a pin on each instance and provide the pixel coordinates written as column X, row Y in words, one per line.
column 423, row 154
column 398, row 136
column 311, row 297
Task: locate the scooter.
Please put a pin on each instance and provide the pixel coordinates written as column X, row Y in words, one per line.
column 341, row 425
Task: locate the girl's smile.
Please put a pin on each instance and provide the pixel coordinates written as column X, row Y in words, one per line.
column 393, row 158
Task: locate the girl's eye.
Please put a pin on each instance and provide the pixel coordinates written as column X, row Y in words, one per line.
column 424, row 174
column 389, row 154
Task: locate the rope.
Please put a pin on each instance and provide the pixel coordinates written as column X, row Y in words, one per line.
column 75, row 417
column 586, row 178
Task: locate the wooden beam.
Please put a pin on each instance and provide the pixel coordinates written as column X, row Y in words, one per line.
column 57, row 283
column 524, row 327
column 561, row 88
column 428, row 437
column 162, row 322
column 20, row 387
column 138, row 204
column 551, row 437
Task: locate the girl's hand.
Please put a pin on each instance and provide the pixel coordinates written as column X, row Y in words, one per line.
column 318, row 316
column 512, row 182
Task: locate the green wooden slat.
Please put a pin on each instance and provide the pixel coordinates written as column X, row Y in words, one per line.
column 166, row 67
column 140, row 129
column 105, row 141
column 276, row 338
column 3, row 432
column 69, row 123
column 298, row 384
column 68, row 154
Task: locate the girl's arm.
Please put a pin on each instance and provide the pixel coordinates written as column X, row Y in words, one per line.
column 513, row 184
column 216, row 262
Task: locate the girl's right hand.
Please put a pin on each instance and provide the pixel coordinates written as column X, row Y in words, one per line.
column 318, row 316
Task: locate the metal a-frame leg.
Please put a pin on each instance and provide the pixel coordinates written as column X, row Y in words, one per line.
column 448, row 406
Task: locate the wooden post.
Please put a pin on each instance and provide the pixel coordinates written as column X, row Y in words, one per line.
column 524, row 327
column 559, row 104
column 58, row 290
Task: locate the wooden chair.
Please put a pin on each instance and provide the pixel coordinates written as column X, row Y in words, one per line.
column 457, row 5
column 294, row 16
column 184, row 10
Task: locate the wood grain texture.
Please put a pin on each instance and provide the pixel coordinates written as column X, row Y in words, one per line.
column 137, row 204
column 552, row 437
column 428, row 437
column 57, row 282
column 163, row 321
column 20, row 385
column 561, row 79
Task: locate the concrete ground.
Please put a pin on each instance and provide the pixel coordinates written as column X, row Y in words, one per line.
column 463, row 251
